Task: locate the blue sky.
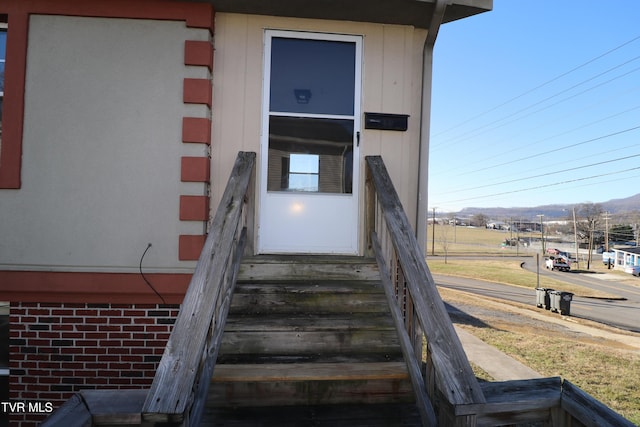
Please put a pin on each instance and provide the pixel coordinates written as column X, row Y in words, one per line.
column 535, row 103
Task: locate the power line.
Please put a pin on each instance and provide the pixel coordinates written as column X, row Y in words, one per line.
column 542, row 186
column 540, row 86
column 548, row 173
column 589, row 156
column 566, row 147
column 521, row 147
column 535, row 107
column 468, row 136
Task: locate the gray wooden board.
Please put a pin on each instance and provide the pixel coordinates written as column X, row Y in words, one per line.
column 454, row 374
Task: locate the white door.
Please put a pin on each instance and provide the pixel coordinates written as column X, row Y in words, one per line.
column 309, row 148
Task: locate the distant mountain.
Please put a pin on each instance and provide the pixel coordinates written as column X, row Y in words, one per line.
column 552, row 211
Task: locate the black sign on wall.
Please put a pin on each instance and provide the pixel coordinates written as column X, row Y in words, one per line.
column 385, row 121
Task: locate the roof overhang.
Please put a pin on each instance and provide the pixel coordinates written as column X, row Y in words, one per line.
column 402, row 12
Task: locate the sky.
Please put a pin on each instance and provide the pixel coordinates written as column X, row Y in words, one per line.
column 536, row 103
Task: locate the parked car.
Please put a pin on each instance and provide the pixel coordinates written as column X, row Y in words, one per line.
column 558, row 263
column 633, row 269
column 568, row 256
column 608, row 258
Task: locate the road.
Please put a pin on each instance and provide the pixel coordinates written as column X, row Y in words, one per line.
column 623, row 313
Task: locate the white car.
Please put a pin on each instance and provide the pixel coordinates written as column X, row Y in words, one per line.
column 633, row 269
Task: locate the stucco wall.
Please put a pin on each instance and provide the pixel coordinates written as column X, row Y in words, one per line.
column 102, row 147
column 392, row 61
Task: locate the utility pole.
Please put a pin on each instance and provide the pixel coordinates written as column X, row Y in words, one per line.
column 542, row 233
column 606, row 231
column 433, row 233
column 518, row 239
column 575, row 236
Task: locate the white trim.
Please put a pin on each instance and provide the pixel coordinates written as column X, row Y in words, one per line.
column 310, row 115
column 317, row 200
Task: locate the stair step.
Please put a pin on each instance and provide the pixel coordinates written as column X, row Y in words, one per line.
column 310, row 372
column 310, row 384
column 278, row 334
column 309, row 297
column 301, row 342
column 378, row 415
column 308, row 286
column 307, row 322
column 323, row 357
column 303, row 267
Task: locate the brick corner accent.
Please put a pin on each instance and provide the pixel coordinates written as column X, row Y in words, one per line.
column 195, row 169
column 198, row 91
column 196, row 130
column 190, row 247
column 194, row 208
column 198, row 52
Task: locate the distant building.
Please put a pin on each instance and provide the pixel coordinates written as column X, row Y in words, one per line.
column 626, row 257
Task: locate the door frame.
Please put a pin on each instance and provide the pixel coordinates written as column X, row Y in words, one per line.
column 355, row 196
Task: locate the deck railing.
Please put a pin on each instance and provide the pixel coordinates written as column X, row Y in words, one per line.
column 447, row 391
column 446, row 387
column 179, row 389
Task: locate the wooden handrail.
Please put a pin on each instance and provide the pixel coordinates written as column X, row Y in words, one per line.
column 447, row 392
column 180, row 385
column 581, row 406
column 449, row 382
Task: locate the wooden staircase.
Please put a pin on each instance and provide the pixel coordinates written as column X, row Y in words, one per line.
column 310, row 341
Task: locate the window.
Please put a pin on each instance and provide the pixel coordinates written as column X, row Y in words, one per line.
column 304, row 172
column 311, row 106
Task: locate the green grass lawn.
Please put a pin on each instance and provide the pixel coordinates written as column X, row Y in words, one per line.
column 607, row 373
column 451, row 240
column 507, row 271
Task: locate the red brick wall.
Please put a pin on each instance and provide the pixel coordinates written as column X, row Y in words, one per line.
column 58, row 349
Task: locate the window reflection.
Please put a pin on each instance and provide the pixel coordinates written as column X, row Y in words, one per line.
column 310, row 154
column 312, row 76
column 303, row 172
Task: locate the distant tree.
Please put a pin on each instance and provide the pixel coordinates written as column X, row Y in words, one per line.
column 444, row 241
column 590, row 215
column 634, row 220
column 479, row 220
column 621, row 233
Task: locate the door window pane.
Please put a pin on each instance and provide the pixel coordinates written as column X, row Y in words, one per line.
column 310, row 154
column 304, row 171
column 312, row 76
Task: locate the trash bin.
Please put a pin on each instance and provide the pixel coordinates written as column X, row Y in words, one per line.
column 542, row 298
column 561, row 302
column 554, row 301
column 565, row 303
